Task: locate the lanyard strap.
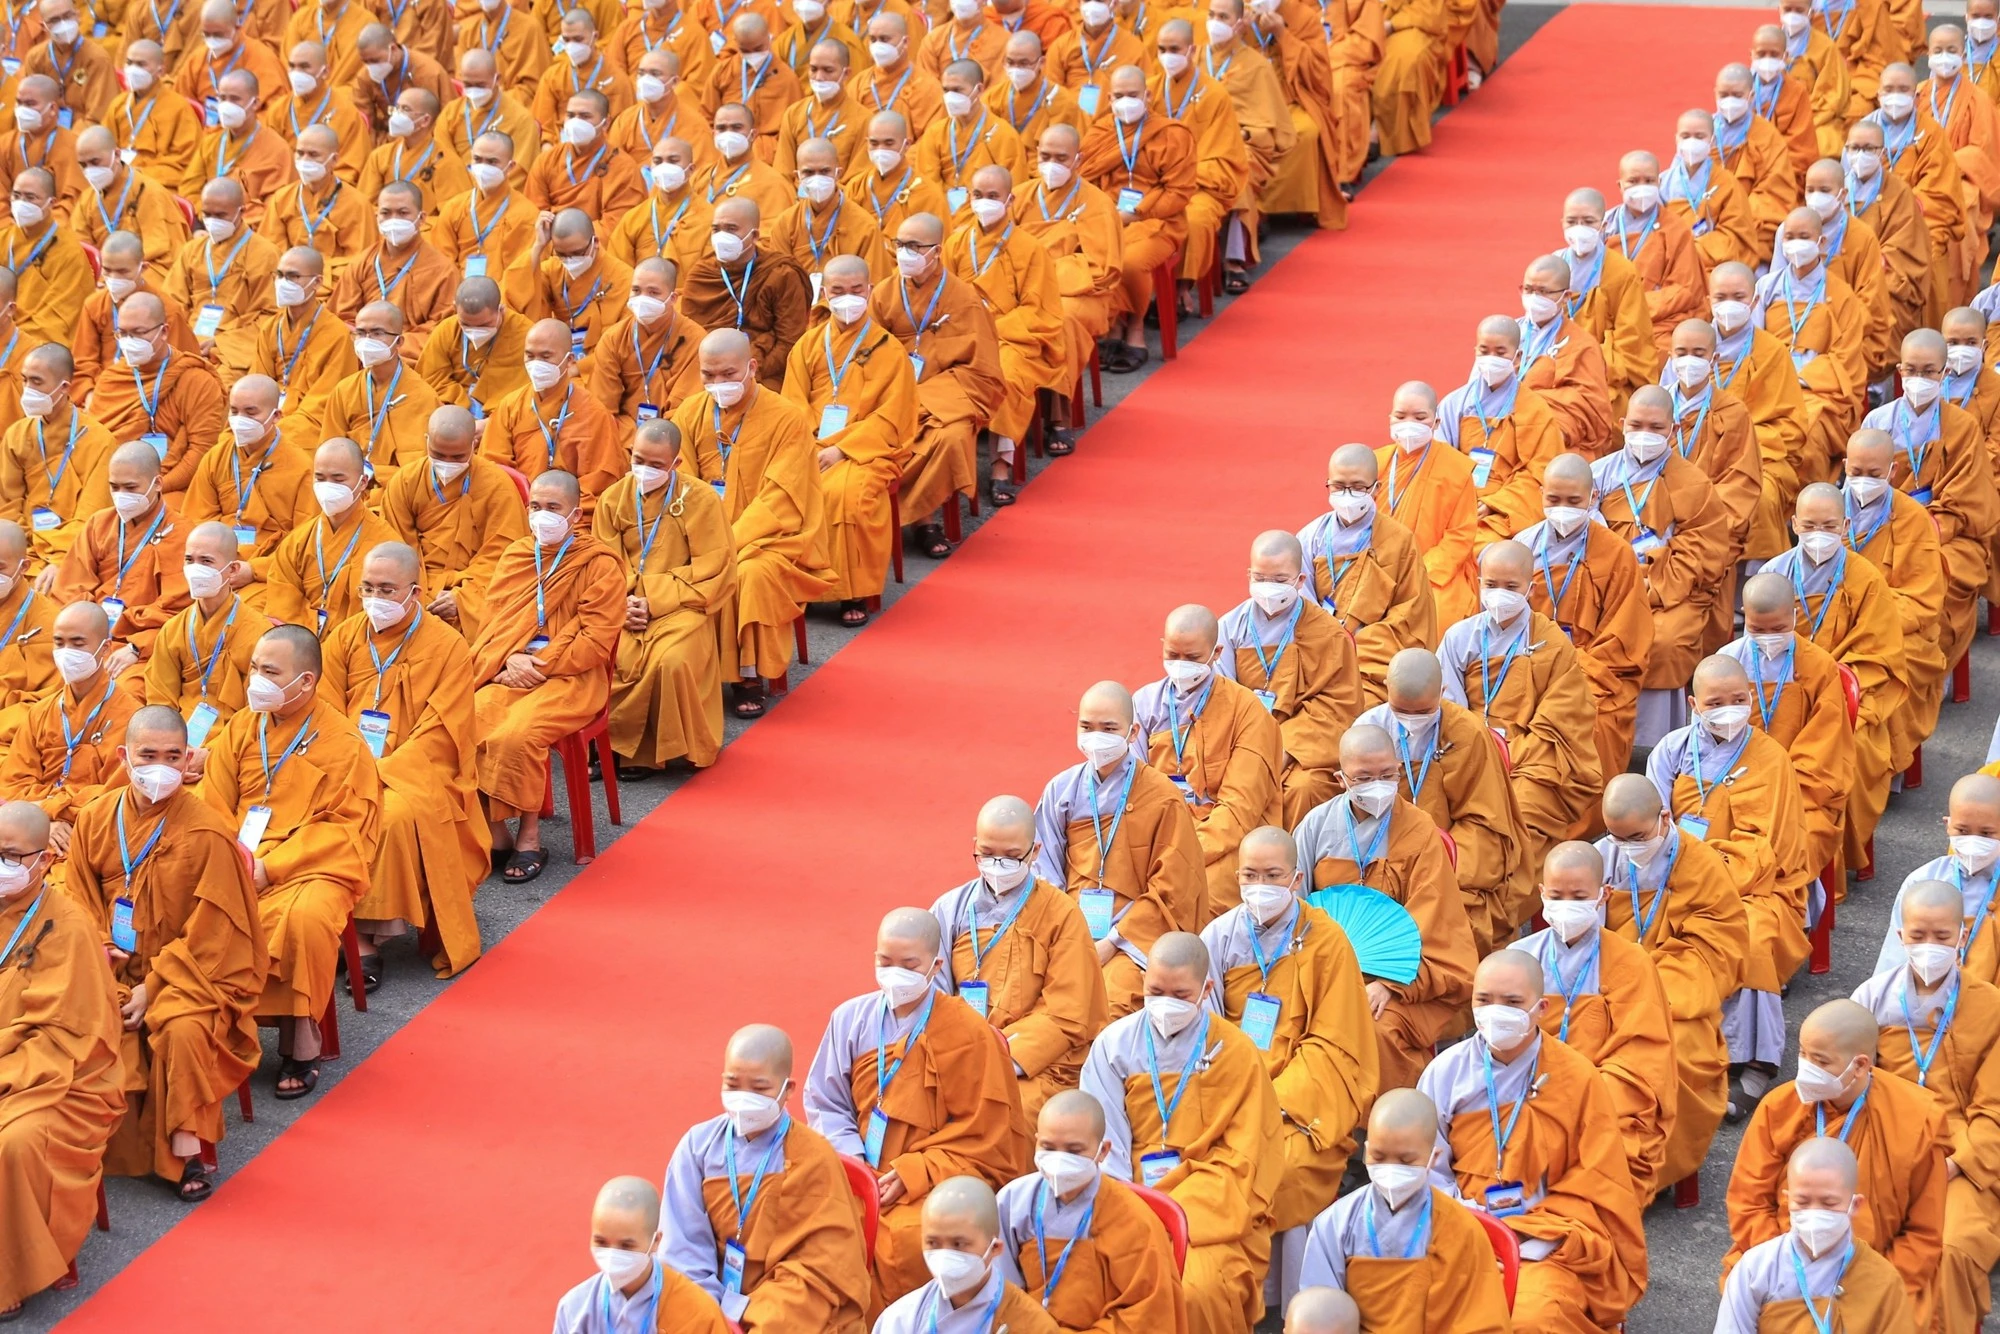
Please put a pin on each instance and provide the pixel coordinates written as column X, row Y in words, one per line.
column 552, row 433
column 1925, row 1056
column 1166, row 1108
column 150, row 404
column 21, row 928
column 387, row 285
column 1768, row 709
column 979, row 952
column 958, row 159
column 297, row 743
column 1415, row 777
column 542, row 577
column 383, row 665
column 885, row 1075
column 1574, row 986
column 479, row 233
column 839, row 373
column 378, row 418
column 292, row 360
column 920, row 327
column 126, row 563
column 741, row 313
column 1182, row 735
column 131, row 863
column 208, row 261
column 1488, row 687
column 1846, row 1122
column 244, row 493
column 1264, row 966
column 745, row 1203
column 1645, row 921
column 647, row 536
column 1104, row 841
column 1051, row 1277
column 221, row 641
column 55, row 474
column 1420, row 1239
column 1270, row 664
column 1502, row 1137
column 1556, row 595
column 1822, row 1319
column 326, row 580
column 1363, row 861
column 71, row 740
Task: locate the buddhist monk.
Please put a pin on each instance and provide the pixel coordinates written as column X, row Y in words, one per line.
column 958, row 1111
column 315, row 572
column 1146, row 164
column 331, row 139
column 825, row 109
column 1188, row 94
column 757, row 289
column 1029, row 99
column 1972, row 832
column 64, row 753
column 240, row 146
column 1781, row 97
column 382, row 406
column 53, row 460
column 553, row 421
column 1706, row 196
column 887, row 183
column 401, row 268
column 480, row 229
column 161, row 132
column 1713, row 431
column 567, row 276
column 478, row 354
column 673, row 220
column 223, row 279
column 1368, row 1247
column 585, row 67
column 460, row 512
column 1044, row 992
column 415, row 153
column 127, row 200
column 1089, row 1249
column 203, row 681
column 1079, row 225
column 255, row 481
column 63, row 1073
column 94, row 343
column 302, row 347
column 579, row 169
column 1409, row 79
column 51, row 272
column 298, row 781
column 1755, row 366
column 27, row 617
column 647, row 362
column 128, row 556
column 1367, row 569
column 1854, row 252
column 159, row 871
column 666, row 689
column 1878, row 197
column 1899, row 1135
column 404, row 680
column 1814, row 52
column 1752, row 150
column 632, row 1283
column 1917, row 151
column 1657, row 242
column 1507, row 431
column 966, row 1256
column 164, row 396
column 1823, row 322
column 1895, row 534
column 1430, row 490
column 1560, row 360
column 806, row 1241
column 1371, row 836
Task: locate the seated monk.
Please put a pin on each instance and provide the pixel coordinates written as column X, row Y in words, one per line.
column 1555, row 1176
column 27, row 616
column 824, row 222
column 965, row 1254
column 1151, row 188
column 52, row 274
column 577, row 168
column 1087, row 1248
column 255, row 157
column 758, row 290
column 162, row 132
column 1799, row 702
column 1659, row 245
column 62, row 1070
column 1544, row 723
column 383, row 405
column 737, row 172
column 404, row 680
column 807, row 1272
column 553, row 612
column 301, row 347
column 479, row 230
column 1712, row 430
column 414, row 152
column 1218, row 1153
column 316, row 570
column 886, row 182
column 323, row 210
column 1560, row 360
column 1369, row 835
column 954, row 348
column 159, row 870
column 1284, row 973
column 1666, row 509
column 1880, row 198
column 1707, row 197
column 855, row 383
column 632, row 1283
column 1816, row 53
column 223, row 279
column 1366, row 569
column 128, row 557
column 1364, row 1247
column 256, row 481
column 959, row 1110
column 1756, row 367
column 1299, row 663
column 891, row 84
column 1899, row 1134
column 299, row 783
column 1854, row 252
column 1187, row 93
column 1972, row 832
column 1607, row 301
column 94, row 342
column 672, row 220
column 204, row 682
column 566, row 275
column 968, row 137
column 1917, row 151
column 647, row 363
column 554, row 421
column 1752, row 150
column 1731, row 786
column 65, row 751
column 584, row 68
column 1431, row 491
column 171, row 399
column 1507, row 431
column 477, row 355
column 1325, row 1310
column 401, row 268
column 666, row 689
column 1818, row 1262
column 1079, row 225
column 52, row 461
column 1050, row 1000
column 1472, row 800
column 1606, row 1001
column 1822, row 322
column 130, row 201
column 460, row 512
column 1895, row 534
column 1409, row 77
column 1846, row 608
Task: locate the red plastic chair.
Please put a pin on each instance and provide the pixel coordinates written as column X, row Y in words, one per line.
column 1450, row 848
column 520, row 480
column 1166, row 300
column 1506, row 751
column 1961, row 680
column 1172, row 1217
column 1506, row 1251
column 1457, row 77
column 1821, row 935
column 1913, row 777
column 187, row 210
column 96, row 263
column 574, row 751
column 1687, row 1193
column 861, row 1180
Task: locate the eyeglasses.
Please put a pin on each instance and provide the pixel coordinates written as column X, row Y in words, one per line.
column 915, row 247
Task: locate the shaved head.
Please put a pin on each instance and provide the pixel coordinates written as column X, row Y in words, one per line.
column 1843, row 1027
column 1826, row 1153
column 1178, row 951
column 1630, row 799
column 1513, row 970
column 1006, row 819
column 1107, row 701
column 1365, row 745
column 1078, row 1107
column 1194, row 624
column 1415, row 681
column 1322, row 1310
column 632, row 1198
column 966, row 1200
column 1768, row 594
column 765, row 1046
column 911, row 926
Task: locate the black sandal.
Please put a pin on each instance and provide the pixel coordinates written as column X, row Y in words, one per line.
column 750, row 700
column 371, row 972
column 633, row 773
column 854, row 613
column 197, row 1183
column 500, row 858
column 1058, row 441
column 1127, row 360
column 529, row 864
column 305, row 1072
column 1002, row 491
column 932, row 541
column 1236, row 281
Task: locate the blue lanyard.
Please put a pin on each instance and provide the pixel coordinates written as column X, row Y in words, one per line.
column 1769, row 709
column 112, row 218
column 839, row 373
column 1856, row 541
column 1179, row 112
column 573, row 310
column 71, row 740
column 986, row 1322
column 713, row 187
column 972, row 925
column 1396, row 498
column 885, row 1074
column 319, row 113
column 385, row 285
column 552, row 436
column 243, row 493
column 1181, row 734
column 55, row 475
column 751, row 87
column 1500, row 1137
column 21, row 928
column 1923, row 1056
column 1822, row 1320
column 1903, row 424
column 1104, row 841
column 1051, row 1277
column 999, row 247
column 894, row 93
column 221, row 641
column 1691, row 438
column 305, row 335
column 1420, row 1239
column 1270, row 664
column 144, row 116
column 1847, row 1122
column 151, row 406
column 958, row 159
column 879, row 205
column 724, row 447
column 479, row 233
column 541, row 578
column 1020, row 123
column 1556, row 595
column 569, row 167
column 730, row 287
column 919, row 327
column 1264, row 966
column 1415, row 777
column 382, row 666
column 228, row 261
column 225, row 165
column 745, row 1203
column 34, row 251
column 378, row 419
column 1130, row 156
column 1833, row 584
column 406, row 176
column 1625, row 242
column 1363, row 861
column 1645, row 921
column 652, row 1299
column 1639, row 503
column 1701, row 789
column 821, row 243
column 131, row 863
column 326, row 580
column 298, row 741
column 1166, row 1108
column 15, row 624
column 1489, row 688
column 1574, row 986
column 661, row 238
column 648, row 535
column 125, row 563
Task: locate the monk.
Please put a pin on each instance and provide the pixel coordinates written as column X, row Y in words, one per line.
column 825, row 109
column 890, row 83
column 1607, row 300
column 127, row 558
column 255, row 481
column 1151, row 195
column 756, row 289
column 1878, row 197
column 1366, row 569
column 585, row 67
column 958, row 1112
column 460, row 512
column 1507, row 431
column 666, row 689
column 500, row 63
column 404, row 680
column 1713, row 431
column 966, row 1256
column 315, row 571
column 1283, row 972
column 1755, row 367
column 203, row 681
column 1823, row 323
column 414, row 152
column 326, row 129
column 478, row 354
column 1544, row 723
column 1560, row 360
column 382, row 406
column 806, row 1240
column 129, row 201
column 64, row 752
column 824, row 222
column 301, row 346
column 162, row 132
column 1658, row 243
column 552, row 421
column 1472, row 800
column 673, row 220
column 62, row 1070
column 164, row 396
column 223, row 279
column 567, row 276
column 1817, row 53
column 1972, row 825
column 1752, row 150
column 1187, row 93
column 255, row 157
column 94, row 343
column 1030, row 100
column 1164, row 877
column 967, row 138
column 478, row 230
column 887, row 183
column 401, row 268
column 1409, row 78
column 27, row 618
column 309, row 816
column 647, row 363
column 1431, row 491
column 582, row 170
column 1854, row 252
column 52, row 274
column 1917, row 150
column 625, row 1227
column 1044, row 992
column 1370, row 836
column 1898, row 1133
column 1089, row 1249
column 159, row 871
column 1782, row 97
column 1706, row 196
column 1283, row 646
column 1360, row 1249
column 1895, row 534
column 52, row 461
column 1218, row 1153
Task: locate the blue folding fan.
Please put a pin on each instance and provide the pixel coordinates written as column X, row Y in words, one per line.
column 1385, row 937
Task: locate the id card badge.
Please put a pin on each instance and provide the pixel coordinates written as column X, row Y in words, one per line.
column 476, row 408
column 832, row 420
column 1130, row 199
column 954, row 198
column 10, row 65
column 1185, row 788
column 64, row 117
column 1157, row 1167
column 246, row 535
column 208, row 321
column 128, row 155
column 1260, row 1018
column 733, row 1264
column 873, row 1134
column 975, row 995
column 537, row 644
column 577, row 338
column 475, row 266
column 1268, row 698
column 721, row 488
column 1646, row 543
column 1505, row 1199
column 817, row 280
column 1482, row 466
column 46, row 519
column 647, row 412
column 160, row 442
column 1089, row 98
column 123, row 936
column 113, row 609
column 321, row 631
column 1694, row 826
column 716, row 41
column 210, row 118
column 100, row 30
column 1922, row 495
column 917, row 364
column 1098, row 906
column 374, row 728
column 200, row 723
column 255, row 821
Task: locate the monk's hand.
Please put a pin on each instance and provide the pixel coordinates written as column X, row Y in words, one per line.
column 45, row 582
column 891, row 1188
column 133, row 1011
column 119, row 659
column 1105, row 951
column 240, row 575
column 259, row 876
column 445, row 606
column 545, row 229
column 526, row 669
column 59, row 833
column 638, row 614
column 1379, row 997
column 829, row 456
column 197, row 761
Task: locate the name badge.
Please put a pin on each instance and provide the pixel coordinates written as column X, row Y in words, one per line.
column 719, row 487
column 1506, row 1199
column 1157, row 1167
column 1260, row 1018
column 974, row 994
column 832, row 420
column 475, row 266
column 473, row 406
column 64, row 118
column 113, row 609
column 210, row 118
column 1098, row 906
column 99, row 30
column 1482, row 465
column 10, row 65
column 716, row 41
column 537, row 644
column 1694, row 826
column 917, row 364
column 200, row 722
column 246, row 536
column 1089, row 98
column 1130, row 199
column 817, row 279
column 1185, row 788
column 255, row 821
column 954, row 198
column 647, row 412
column 46, row 519
column 1646, row 543
column 321, row 630
column 733, row 1260
column 374, row 727
column 873, row 1134
column 577, row 338
column 128, row 155
column 160, row 442
column 1922, row 495
column 123, row 936
column 1268, row 698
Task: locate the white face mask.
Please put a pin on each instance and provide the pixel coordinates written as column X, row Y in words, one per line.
column 912, row 263
column 120, row 286
column 1819, row 1231
column 219, row 229
column 98, row 178
column 989, row 211
column 1692, row 372
column 577, row 265
column 1055, row 175
column 1695, row 151
column 1175, row 63
column 1819, row 548
column 1187, row 676
column 751, row 1113
column 651, row 88
column 1819, row 1085
column 35, row 403
column 549, row 529
column 728, row 393
column 728, row 246
column 900, row 986
column 288, row 293
column 1772, row 645
column 384, row 612
column 1352, row 507
column 1960, row 359
column 1565, row 519
column 883, row 53
column 809, row 11
column 1502, row 1025
column 303, row 84
column 848, row 309
column 884, row 160
column 138, row 78
column 1729, row 315
column 955, row 1271
column 648, row 478
column 203, row 581
column 1921, row 390
column 1982, row 30
column 1931, row 963
column 1128, row 110
column 1273, row 598
column 1640, row 851
column 1398, row 1182
column 1861, row 166
column 334, row 498
column 447, row 473
column 401, row 124
column 817, row 188
column 1095, row 13
column 1725, row 722
column 1375, row 796
column 245, row 430
column 1767, row 68
column 620, row 1267
column 825, row 89
column 646, row 309
column 75, row 664
column 1411, row 436
column 1825, row 203
column 1220, row 33
column 732, row 144
column 958, row 104
column 397, row 231
column 1867, row 490
column 669, row 177
column 1003, row 875
column 1732, row 109
column 310, row 170
column 1569, row 918
column 28, row 120
column 486, row 175
column 1642, row 197
column 1066, row 1173
column 1793, row 23
column 134, row 351
column 965, row 10
column 1801, row 253
column 25, row 214
column 1266, row 903
column 1495, row 371
column 1169, row 1014
column 14, row 876
column 1101, row 748
column 1539, row 308
column 378, row 70
column 578, row 132
column 1583, row 241
column 482, row 97
column 1021, row 78
column 578, row 52
column 544, row 375
column 1502, row 604
column 1416, row 724
column 478, row 335
column 131, row 504
column 1645, row 446
column 1897, row 106
column 156, row 782
column 1975, row 852
column 231, row 116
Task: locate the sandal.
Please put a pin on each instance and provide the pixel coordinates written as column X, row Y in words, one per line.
column 750, row 700
column 304, row 1073
column 1127, row 360
column 371, row 972
column 500, row 858
column 1002, row 491
column 1235, row 281
column 197, row 1182
column 524, row 865
column 854, row 613
column 633, row 773
column 932, row 541
column 1058, row 441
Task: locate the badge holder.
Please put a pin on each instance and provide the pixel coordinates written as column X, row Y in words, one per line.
column 537, row 644
column 1089, row 98
column 200, row 722
column 123, row 937
column 1694, row 826
column 954, row 198
column 46, row 520
column 647, row 412
column 208, row 322
column 1130, row 199
column 1098, row 906
column 159, row 441
column 113, row 609
column 1157, row 1167
column 1260, row 1018
column 917, row 364
column 734, row 1261
column 475, row 266
column 1268, row 698
column 975, row 994
column 1505, row 1199
column 255, row 821
column 246, row 536
column 832, row 420
column 1482, row 466
column 871, row 1139
column 1185, row 788
column 1922, row 495
column 374, row 728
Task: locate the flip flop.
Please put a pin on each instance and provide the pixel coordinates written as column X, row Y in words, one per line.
column 306, row 1072
column 197, row 1183
column 529, row 863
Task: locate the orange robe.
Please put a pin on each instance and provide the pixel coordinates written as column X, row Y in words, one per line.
column 262, row 493
column 1522, row 442
column 52, row 479
column 27, row 671
column 139, row 564
column 1163, row 175
column 420, row 285
column 1119, row 1276
column 476, row 378
column 1226, row 759
column 315, row 572
column 1760, row 373
column 960, row 385
column 306, row 375
column 1381, row 595
column 637, row 367
column 1311, row 685
column 388, row 421
column 1432, row 493
column 1016, row 277
column 1905, row 548
column 1605, row 614
column 1686, row 572
column 565, row 428
column 1564, row 364
column 41, row 764
column 200, row 658
column 459, row 530
column 178, row 396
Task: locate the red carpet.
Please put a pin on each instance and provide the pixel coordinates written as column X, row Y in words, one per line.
column 445, row 1184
